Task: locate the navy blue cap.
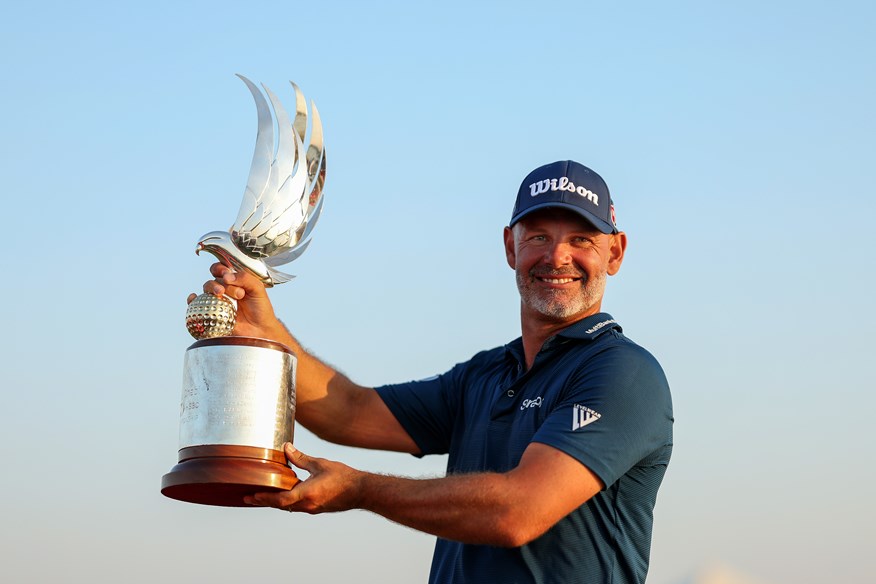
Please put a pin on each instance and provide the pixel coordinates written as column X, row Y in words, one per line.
column 568, row 185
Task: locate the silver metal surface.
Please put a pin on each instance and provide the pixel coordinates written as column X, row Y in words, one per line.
column 237, row 395
column 209, row 316
column 282, row 200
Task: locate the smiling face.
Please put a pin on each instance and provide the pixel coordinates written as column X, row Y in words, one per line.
column 561, row 262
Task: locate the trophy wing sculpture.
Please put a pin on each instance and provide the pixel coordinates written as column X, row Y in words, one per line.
column 281, row 205
column 283, row 196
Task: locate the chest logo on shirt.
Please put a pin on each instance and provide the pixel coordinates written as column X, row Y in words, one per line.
column 531, row 403
column 583, row 416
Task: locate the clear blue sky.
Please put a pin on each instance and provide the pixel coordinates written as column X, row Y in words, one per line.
column 737, row 139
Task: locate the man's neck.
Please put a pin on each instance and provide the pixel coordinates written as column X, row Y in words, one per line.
column 537, row 328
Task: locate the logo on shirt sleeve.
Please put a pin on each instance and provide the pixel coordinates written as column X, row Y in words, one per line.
column 582, row 416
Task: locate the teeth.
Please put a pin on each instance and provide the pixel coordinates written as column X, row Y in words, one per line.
column 558, row 280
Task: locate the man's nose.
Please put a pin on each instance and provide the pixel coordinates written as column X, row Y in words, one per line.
column 559, row 254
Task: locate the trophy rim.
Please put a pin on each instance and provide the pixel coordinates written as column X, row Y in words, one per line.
column 231, row 451
column 241, row 341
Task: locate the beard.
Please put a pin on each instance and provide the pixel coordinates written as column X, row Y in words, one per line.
column 560, row 304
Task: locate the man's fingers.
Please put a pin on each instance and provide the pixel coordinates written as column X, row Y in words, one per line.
column 279, row 500
column 298, row 458
column 219, row 269
column 235, row 284
column 214, row 287
column 228, row 276
column 223, row 284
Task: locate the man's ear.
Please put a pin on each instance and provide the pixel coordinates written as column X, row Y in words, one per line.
column 510, row 254
column 618, row 247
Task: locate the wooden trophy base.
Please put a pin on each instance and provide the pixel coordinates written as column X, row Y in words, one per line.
column 222, row 475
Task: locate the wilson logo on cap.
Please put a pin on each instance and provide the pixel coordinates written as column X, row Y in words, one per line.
column 562, row 184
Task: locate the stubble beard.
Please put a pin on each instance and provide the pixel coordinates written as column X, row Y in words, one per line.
column 560, row 304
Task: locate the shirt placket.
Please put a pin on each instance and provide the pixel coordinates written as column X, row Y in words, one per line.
column 507, row 399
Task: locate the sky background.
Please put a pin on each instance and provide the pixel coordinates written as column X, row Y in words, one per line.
column 738, row 143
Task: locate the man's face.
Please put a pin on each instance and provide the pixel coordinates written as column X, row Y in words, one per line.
column 561, row 262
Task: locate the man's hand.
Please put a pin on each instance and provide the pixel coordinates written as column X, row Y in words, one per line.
column 331, row 487
column 255, row 314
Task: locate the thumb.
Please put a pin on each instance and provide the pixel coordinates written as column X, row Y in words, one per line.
column 297, row 458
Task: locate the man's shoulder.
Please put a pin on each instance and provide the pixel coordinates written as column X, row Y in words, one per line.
column 603, row 336
column 618, row 343
column 494, row 359
column 499, row 354
column 615, row 358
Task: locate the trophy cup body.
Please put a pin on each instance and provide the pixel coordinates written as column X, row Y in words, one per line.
column 236, row 411
column 238, row 397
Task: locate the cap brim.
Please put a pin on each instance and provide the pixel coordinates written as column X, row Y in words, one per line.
column 598, row 223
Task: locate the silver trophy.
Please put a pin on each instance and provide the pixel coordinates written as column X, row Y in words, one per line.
column 238, row 398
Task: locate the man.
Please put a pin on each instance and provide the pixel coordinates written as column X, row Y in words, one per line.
column 557, row 442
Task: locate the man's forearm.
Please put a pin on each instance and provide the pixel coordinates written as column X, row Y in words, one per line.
column 482, row 508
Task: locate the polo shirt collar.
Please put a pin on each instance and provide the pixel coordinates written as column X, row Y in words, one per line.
column 591, row 327
column 586, row 329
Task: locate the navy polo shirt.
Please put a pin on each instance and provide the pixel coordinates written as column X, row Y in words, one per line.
column 591, row 393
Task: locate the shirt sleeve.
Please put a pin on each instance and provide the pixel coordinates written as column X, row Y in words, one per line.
column 425, row 409
column 615, row 412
